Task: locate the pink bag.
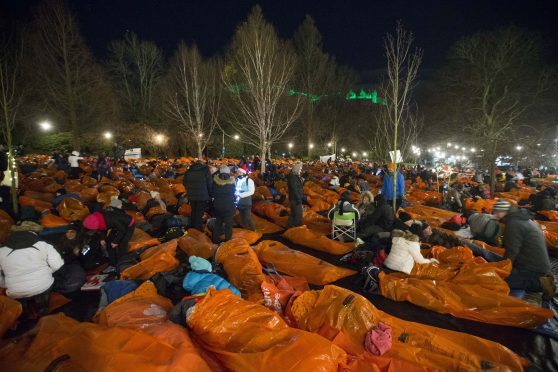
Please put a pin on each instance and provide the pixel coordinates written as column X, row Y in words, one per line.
column 378, row 339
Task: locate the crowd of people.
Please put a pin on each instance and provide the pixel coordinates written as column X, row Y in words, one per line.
column 388, row 240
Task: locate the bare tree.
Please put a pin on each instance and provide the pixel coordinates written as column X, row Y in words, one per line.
column 135, row 67
column 11, row 97
column 402, row 67
column 259, row 70
column 193, row 95
column 501, row 74
column 71, row 84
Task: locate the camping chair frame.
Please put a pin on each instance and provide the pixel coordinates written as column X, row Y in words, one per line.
column 344, row 225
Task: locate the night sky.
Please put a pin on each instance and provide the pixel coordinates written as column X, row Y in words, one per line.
column 352, row 30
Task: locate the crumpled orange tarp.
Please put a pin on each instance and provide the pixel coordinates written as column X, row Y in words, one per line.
column 250, row 236
column 278, row 214
column 72, row 209
column 10, row 310
column 480, row 205
column 91, row 347
column 296, row 263
column 477, row 291
column 141, row 239
column 51, row 220
column 6, row 223
column 39, row 205
column 163, row 259
column 308, row 238
column 196, row 243
column 243, row 268
column 434, row 216
column 551, row 215
column 249, row 337
column 263, row 226
column 345, row 317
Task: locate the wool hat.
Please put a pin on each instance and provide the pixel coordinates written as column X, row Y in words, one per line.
column 241, row 171
column 501, row 206
column 224, row 169
column 297, row 168
column 95, row 221
column 199, row 264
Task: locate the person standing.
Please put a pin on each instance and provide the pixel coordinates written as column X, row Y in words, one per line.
column 245, row 188
column 75, row 170
column 295, row 185
column 387, row 187
column 223, row 203
column 197, row 181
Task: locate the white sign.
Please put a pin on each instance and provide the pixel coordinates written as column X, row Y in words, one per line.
column 325, row 158
column 399, row 157
column 132, row 154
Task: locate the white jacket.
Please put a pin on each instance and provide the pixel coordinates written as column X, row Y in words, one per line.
column 74, row 159
column 27, row 272
column 403, row 255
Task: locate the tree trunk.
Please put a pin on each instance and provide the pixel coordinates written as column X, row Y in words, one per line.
column 263, row 151
column 492, row 169
column 200, row 150
column 13, row 185
column 75, row 132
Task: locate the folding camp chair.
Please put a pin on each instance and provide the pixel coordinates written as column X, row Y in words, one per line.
column 344, row 225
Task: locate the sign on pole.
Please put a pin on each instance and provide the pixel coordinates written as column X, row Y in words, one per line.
column 399, row 157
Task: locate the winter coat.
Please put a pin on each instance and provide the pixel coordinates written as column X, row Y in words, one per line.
column 27, row 265
column 387, row 186
column 197, row 181
column 405, row 251
column 198, row 281
column 223, row 196
column 383, row 215
column 74, row 159
column 245, row 188
column 296, row 188
column 118, row 222
column 524, row 242
column 484, row 227
column 544, row 204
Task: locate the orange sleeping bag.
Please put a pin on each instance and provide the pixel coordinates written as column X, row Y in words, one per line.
column 10, row 310
column 39, row 205
column 161, row 259
column 6, row 223
column 72, row 209
column 196, row 243
column 307, row 238
column 61, row 343
column 477, row 292
column 141, row 239
column 243, row 268
column 345, row 317
column 50, row 220
column 296, row 263
column 249, row 337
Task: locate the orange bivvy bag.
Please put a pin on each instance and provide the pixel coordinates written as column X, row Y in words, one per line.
column 345, row 317
column 10, row 310
column 196, row 243
column 243, row 268
column 72, row 209
column 296, row 263
column 163, row 259
column 307, row 238
column 249, row 337
column 141, row 239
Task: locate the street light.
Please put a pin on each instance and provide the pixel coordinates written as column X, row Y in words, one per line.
column 311, row 146
column 107, row 135
column 159, row 139
column 329, row 144
column 45, row 125
column 456, row 147
column 236, row 137
column 449, row 144
column 538, row 144
column 200, row 135
column 365, row 154
column 473, row 149
column 354, row 154
column 518, row 147
column 290, row 145
column 343, row 149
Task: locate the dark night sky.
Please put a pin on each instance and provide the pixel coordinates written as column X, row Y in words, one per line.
column 352, row 30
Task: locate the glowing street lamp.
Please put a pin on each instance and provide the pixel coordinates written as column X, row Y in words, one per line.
column 159, row 139
column 538, row 144
column 365, row 154
column 329, row 144
column 107, row 135
column 354, row 154
column 311, row 146
column 290, row 145
column 473, row 149
column 236, row 137
column 200, row 135
column 343, row 149
column 456, row 147
column 449, row 144
column 518, row 147
column 45, row 125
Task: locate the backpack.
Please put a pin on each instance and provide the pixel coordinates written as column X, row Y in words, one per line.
column 478, row 222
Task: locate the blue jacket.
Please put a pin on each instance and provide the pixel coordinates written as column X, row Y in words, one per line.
column 198, row 282
column 387, row 186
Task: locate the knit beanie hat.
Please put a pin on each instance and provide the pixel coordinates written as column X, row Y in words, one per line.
column 95, row 221
column 199, row 264
column 501, row 206
column 224, row 169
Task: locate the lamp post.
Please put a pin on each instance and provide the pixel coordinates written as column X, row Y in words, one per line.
column 46, row 126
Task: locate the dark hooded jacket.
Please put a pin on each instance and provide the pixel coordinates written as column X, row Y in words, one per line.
column 296, row 188
column 524, row 242
column 118, row 222
column 383, row 215
column 223, row 195
column 197, row 181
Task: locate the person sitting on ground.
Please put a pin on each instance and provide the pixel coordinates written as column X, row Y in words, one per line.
column 380, row 221
column 405, row 252
column 484, row 227
column 511, row 183
column 223, row 203
column 366, row 206
column 27, row 265
column 363, row 184
column 544, row 200
column 121, row 227
column 452, row 198
column 525, row 247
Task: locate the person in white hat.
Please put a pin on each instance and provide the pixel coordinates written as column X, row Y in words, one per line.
column 245, row 188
